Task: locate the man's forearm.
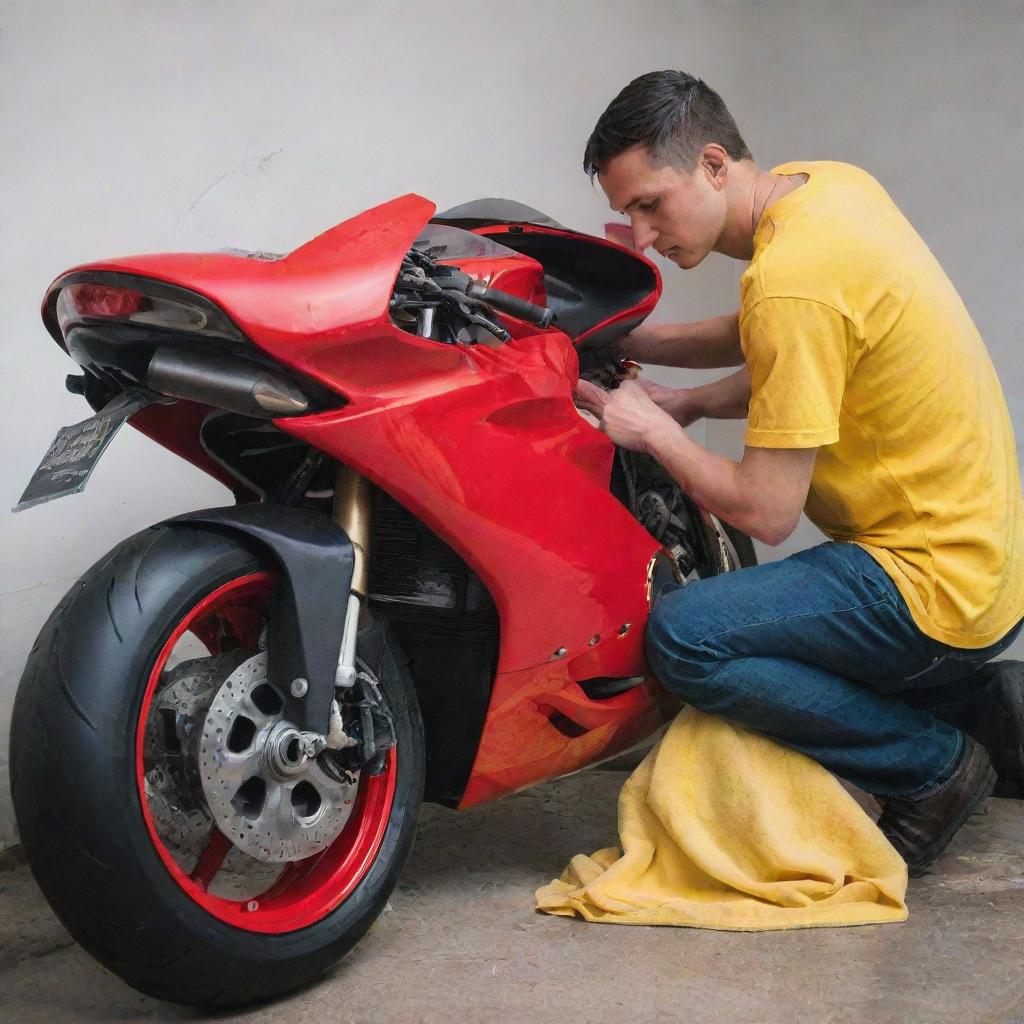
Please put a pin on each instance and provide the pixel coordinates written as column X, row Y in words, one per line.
column 713, row 481
column 701, row 345
column 724, row 399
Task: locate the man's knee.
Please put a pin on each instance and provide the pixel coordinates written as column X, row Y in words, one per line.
column 674, row 643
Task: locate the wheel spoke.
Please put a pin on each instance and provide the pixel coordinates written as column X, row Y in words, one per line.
column 261, row 719
column 294, row 872
column 280, row 813
column 211, row 859
column 245, row 624
column 210, row 633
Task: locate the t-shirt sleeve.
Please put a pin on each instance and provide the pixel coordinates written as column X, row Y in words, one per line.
column 796, row 352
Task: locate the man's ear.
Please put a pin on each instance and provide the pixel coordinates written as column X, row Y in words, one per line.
column 713, row 163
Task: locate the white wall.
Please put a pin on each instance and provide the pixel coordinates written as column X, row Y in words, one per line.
column 129, row 127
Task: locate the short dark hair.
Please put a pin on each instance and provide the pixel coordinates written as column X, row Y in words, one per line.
column 672, row 114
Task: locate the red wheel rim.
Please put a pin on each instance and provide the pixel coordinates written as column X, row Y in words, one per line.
column 306, row 891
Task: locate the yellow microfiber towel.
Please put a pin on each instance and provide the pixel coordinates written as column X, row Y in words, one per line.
column 723, row 828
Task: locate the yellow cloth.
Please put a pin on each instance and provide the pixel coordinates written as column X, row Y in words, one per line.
column 723, row 828
column 857, row 342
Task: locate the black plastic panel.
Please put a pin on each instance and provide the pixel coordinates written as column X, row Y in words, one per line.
column 308, row 609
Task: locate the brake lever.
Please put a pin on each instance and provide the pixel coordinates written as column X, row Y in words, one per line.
column 461, row 303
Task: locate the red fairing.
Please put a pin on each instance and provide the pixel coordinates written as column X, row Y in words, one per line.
column 297, row 309
column 505, row 470
column 485, row 445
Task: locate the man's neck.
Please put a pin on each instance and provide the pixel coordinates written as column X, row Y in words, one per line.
column 751, row 192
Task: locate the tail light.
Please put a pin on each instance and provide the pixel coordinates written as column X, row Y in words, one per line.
column 140, row 301
column 78, row 303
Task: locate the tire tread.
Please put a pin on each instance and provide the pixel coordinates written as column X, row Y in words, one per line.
column 72, row 776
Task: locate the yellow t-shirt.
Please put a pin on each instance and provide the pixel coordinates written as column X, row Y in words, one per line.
column 857, row 342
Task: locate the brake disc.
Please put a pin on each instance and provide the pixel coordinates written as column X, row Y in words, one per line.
column 170, row 751
column 271, row 801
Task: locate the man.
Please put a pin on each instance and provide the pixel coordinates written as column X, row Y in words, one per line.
column 873, row 406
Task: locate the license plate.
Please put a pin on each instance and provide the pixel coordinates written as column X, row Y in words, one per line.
column 70, row 460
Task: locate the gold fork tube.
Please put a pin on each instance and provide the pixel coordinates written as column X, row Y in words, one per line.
column 352, row 512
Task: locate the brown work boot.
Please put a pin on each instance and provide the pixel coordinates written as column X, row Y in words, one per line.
column 921, row 829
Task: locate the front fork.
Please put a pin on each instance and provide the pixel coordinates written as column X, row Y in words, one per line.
column 375, row 732
column 352, row 511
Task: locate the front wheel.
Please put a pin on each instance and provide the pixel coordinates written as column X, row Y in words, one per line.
column 143, row 796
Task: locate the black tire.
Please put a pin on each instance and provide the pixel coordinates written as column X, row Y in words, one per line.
column 76, row 799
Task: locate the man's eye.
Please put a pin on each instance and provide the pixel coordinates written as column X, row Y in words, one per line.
column 650, row 206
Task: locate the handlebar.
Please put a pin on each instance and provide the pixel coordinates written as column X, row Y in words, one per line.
column 427, row 282
column 539, row 316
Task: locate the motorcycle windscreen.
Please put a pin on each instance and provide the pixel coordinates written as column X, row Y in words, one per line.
column 599, row 290
column 499, row 211
column 445, row 242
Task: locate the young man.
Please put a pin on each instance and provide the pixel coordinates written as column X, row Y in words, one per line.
column 873, row 406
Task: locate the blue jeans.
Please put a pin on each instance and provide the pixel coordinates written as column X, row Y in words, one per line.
column 819, row 651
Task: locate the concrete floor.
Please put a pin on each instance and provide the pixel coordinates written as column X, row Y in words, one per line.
column 460, row 942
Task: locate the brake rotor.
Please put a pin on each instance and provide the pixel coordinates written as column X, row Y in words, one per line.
column 272, row 802
column 173, row 789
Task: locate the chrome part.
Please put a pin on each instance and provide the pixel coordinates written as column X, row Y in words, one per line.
column 259, row 774
column 594, row 640
column 299, row 688
column 278, row 398
column 353, row 510
column 560, row 653
column 426, row 321
column 287, row 750
column 346, row 673
column 625, row 628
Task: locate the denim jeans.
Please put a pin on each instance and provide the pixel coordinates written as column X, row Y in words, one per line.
column 819, row 651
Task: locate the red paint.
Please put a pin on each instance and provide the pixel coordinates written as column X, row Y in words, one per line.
column 211, row 859
column 306, row 891
column 485, row 446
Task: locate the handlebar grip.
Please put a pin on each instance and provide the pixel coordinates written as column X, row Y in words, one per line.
column 540, row 316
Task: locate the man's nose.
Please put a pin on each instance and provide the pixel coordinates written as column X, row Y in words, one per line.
column 644, row 236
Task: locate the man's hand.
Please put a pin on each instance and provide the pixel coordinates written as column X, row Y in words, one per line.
column 591, row 397
column 680, row 403
column 628, row 415
column 761, row 495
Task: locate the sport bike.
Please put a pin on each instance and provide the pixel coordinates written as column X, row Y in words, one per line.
column 433, row 582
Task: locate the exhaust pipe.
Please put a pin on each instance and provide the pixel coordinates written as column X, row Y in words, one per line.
column 227, row 383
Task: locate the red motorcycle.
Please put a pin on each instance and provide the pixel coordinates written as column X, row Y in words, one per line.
column 433, row 584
